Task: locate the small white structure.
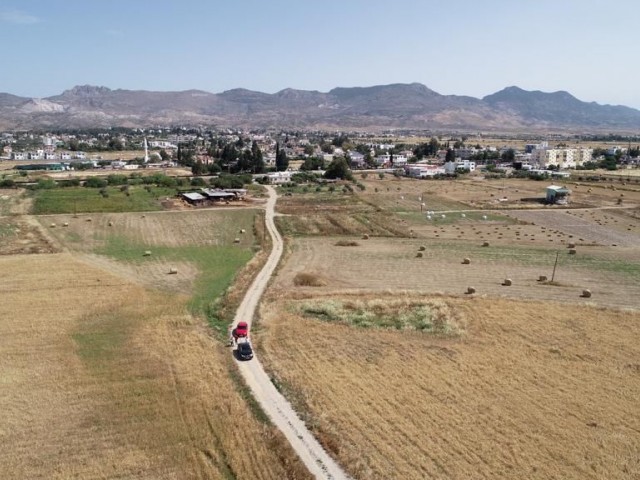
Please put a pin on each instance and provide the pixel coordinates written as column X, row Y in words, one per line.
column 451, row 167
column 277, row 178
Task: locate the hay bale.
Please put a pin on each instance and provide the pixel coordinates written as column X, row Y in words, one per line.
column 466, row 261
column 542, row 278
column 236, row 240
column 470, row 290
column 571, row 245
column 419, row 255
column 485, row 244
column 111, row 224
column 572, row 251
column 365, row 236
column 242, row 230
column 53, row 225
column 586, row 293
column 507, row 282
column 88, row 219
column 422, row 248
column 65, row 224
column 173, row 271
column 147, row 253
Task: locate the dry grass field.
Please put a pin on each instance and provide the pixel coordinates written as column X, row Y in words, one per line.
column 538, row 382
column 108, row 367
column 527, row 390
column 102, row 378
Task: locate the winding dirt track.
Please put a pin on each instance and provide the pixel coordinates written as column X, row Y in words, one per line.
column 279, row 410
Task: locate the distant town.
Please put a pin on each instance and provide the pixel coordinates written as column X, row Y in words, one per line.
column 278, row 155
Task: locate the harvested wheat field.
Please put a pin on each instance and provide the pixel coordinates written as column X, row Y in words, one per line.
column 380, row 264
column 102, row 378
column 478, row 388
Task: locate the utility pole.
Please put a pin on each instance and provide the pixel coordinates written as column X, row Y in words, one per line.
column 553, row 275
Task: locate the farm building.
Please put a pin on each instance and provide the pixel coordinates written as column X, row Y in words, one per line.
column 558, row 195
column 42, row 166
column 218, row 195
column 194, row 198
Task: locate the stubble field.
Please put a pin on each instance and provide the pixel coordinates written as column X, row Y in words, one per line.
column 540, row 381
column 109, row 367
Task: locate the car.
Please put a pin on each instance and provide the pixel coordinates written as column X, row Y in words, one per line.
column 244, row 351
column 241, row 330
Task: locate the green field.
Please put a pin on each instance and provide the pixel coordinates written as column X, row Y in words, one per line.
column 91, row 200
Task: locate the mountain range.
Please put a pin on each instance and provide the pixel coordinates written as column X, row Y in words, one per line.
column 396, row 106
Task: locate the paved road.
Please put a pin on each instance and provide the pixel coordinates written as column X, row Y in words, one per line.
column 279, row 410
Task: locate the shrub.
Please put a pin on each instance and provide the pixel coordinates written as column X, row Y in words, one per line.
column 95, row 182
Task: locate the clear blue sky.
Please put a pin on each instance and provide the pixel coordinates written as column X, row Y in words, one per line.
column 465, row 47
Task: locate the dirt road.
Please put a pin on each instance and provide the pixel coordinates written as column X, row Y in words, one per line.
column 273, row 403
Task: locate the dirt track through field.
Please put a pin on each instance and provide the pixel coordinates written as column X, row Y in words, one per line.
column 279, row 410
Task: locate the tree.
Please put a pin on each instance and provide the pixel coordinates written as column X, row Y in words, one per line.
column 450, row 156
column 198, row 167
column 282, row 162
column 257, row 159
column 312, row 163
column 509, row 155
column 339, row 168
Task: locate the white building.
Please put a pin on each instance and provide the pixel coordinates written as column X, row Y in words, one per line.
column 423, row 171
column 562, row 158
column 276, row 178
column 451, row 167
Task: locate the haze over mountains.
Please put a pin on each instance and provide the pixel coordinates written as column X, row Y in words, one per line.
column 401, row 106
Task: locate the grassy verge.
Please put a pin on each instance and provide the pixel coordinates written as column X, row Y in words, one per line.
column 91, row 200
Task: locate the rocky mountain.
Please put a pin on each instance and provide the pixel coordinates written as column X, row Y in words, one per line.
column 409, row 106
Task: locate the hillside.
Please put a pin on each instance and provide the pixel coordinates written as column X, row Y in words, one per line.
column 409, row 106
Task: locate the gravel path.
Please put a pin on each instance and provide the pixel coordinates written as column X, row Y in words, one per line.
column 279, row 410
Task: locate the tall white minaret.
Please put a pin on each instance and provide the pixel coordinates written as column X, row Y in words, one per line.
column 146, row 151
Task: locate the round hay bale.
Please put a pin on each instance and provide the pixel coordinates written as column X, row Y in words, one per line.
column 111, row 224
column 586, row 293
column 173, row 271
column 572, row 251
column 236, row 240
column 470, row 290
column 242, row 230
column 147, row 253
column 571, row 245
column 365, row 236
column 65, row 224
column 419, row 255
column 422, row 248
column 143, row 216
column 88, row 219
column 542, row 278
column 507, row 282
column 53, row 225
column 466, row 261
column 485, row 244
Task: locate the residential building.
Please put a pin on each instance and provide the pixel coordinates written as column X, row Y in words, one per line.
column 562, row 158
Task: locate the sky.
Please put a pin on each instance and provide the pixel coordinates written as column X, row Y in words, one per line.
column 461, row 47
